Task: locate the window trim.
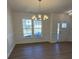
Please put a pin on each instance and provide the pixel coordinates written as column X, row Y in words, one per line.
column 32, row 36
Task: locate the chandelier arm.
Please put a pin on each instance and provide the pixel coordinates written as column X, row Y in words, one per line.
column 40, row 17
column 39, row 5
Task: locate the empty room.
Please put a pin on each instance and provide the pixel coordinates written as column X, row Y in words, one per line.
column 39, row 29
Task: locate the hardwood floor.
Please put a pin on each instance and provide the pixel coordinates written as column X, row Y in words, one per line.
column 42, row 51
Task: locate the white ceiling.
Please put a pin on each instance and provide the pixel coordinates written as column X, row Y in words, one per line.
column 47, row 6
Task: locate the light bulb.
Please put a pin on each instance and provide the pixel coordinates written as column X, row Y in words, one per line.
column 45, row 17
column 39, row 16
column 34, row 17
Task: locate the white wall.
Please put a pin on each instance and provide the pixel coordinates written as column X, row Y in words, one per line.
column 10, row 39
column 18, row 29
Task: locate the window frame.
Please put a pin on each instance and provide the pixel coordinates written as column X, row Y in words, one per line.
column 38, row 28
column 32, row 36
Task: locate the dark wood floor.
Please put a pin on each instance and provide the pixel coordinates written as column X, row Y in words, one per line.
column 42, row 51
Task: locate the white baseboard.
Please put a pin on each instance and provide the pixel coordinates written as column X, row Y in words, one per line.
column 8, row 54
column 52, row 41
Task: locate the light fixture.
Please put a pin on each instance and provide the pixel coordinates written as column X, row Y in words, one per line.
column 40, row 16
column 69, row 12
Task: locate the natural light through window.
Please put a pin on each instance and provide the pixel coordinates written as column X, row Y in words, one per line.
column 64, row 25
column 32, row 28
column 27, row 27
column 37, row 28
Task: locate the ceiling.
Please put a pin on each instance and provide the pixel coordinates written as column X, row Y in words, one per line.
column 47, row 6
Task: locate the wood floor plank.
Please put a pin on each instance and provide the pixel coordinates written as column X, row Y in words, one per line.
column 42, row 51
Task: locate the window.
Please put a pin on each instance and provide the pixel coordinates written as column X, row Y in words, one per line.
column 64, row 25
column 32, row 28
column 37, row 28
column 27, row 27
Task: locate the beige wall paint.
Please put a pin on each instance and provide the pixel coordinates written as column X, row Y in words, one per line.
column 53, row 27
column 49, row 28
column 66, row 35
column 18, row 33
column 10, row 39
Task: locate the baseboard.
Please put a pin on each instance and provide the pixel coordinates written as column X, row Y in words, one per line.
column 30, row 41
column 66, row 41
column 33, row 43
column 60, row 41
column 10, row 51
column 39, row 42
column 52, row 41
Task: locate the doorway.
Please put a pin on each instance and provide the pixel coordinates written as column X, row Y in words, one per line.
column 61, row 31
column 58, row 32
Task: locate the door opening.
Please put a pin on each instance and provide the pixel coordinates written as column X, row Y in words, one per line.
column 58, row 32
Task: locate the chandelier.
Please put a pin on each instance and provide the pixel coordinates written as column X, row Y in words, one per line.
column 69, row 12
column 40, row 16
